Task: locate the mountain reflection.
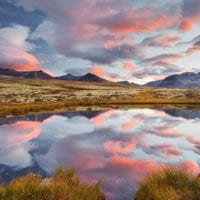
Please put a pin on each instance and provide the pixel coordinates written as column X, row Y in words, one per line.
column 118, row 146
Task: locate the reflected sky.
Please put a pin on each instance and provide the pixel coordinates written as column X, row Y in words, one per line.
column 118, row 146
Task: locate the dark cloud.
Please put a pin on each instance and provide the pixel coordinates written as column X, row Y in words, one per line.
column 162, row 64
column 11, row 14
column 161, row 40
column 163, row 57
column 131, row 21
column 190, row 8
column 165, row 150
column 167, row 68
column 106, row 56
column 197, row 43
column 194, row 46
column 190, row 14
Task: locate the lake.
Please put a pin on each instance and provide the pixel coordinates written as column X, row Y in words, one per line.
column 118, row 147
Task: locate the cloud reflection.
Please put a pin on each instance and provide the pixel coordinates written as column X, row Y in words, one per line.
column 18, row 133
column 15, row 143
column 119, row 146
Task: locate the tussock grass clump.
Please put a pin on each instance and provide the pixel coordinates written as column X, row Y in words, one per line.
column 169, row 184
column 63, row 185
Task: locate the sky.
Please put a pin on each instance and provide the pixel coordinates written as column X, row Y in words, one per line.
column 134, row 40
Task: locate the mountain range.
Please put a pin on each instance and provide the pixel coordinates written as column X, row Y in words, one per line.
column 87, row 77
column 32, row 74
column 42, row 75
column 184, row 80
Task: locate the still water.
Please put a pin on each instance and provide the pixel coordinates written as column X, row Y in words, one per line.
column 118, row 147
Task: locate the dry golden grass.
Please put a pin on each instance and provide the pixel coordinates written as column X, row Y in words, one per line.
column 25, row 95
column 63, row 185
column 169, row 183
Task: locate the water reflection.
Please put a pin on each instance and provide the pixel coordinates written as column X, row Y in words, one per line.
column 119, row 146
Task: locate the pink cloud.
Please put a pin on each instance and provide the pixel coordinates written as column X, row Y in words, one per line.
column 193, row 50
column 169, row 39
column 48, row 72
column 120, row 147
column 91, row 161
column 194, row 141
column 19, row 133
column 98, row 70
column 128, row 65
column 113, row 41
column 101, row 119
column 131, row 21
column 168, row 58
column 167, row 131
column 161, row 40
column 190, row 15
column 191, row 167
column 133, row 170
column 20, row 60
column 187, row 25
column 165, row 149
column 14, row 49
column 130, row 125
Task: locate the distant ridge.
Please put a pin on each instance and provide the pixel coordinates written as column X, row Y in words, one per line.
column 42, row 75
column 184, row 80
column 32, row 74
column 37, row 75
column 93, row 78
column 127, row 83
column 11, row 72
column 87, row 77
column 68, row 77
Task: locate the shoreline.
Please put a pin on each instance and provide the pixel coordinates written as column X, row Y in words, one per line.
column 16, row 109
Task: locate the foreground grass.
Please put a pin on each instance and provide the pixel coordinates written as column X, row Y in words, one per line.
column 63, row 185
column 169, row 184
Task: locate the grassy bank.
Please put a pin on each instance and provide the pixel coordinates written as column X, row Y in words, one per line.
column 169, row 184
column 63, row 185
column 25, row 108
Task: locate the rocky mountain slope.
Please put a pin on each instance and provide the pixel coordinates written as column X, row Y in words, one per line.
column 184, row 80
